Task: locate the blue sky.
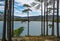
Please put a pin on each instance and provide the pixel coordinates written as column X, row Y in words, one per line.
column 18, row 7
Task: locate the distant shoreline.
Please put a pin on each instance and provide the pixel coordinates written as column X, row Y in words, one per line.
column 35, row 20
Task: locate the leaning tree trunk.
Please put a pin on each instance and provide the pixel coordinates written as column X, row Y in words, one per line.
column 58, row 18
column 4, row 23
column 9, row 21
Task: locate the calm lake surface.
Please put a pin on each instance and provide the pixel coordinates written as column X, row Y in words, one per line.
column 34, row 27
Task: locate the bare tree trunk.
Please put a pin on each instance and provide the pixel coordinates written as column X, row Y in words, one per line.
column 41, row 20
column 44, row 18
column 12, row 26
column 53, row 18
column 28, row 22
column 9, row 21
column 58, row 18
column 4, row 23
column 47, row 20
column 47, row 25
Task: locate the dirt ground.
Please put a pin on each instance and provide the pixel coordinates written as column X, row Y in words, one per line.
column 35, row 38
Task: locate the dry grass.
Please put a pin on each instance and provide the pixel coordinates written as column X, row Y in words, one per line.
column 36, row 38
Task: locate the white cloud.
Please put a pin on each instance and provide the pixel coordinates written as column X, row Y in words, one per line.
column 2, row 2
column 1, row 7
column 24, row 15
column 24, row 1
column 21, row 2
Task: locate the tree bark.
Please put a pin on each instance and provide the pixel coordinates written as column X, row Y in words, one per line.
column 12, row 25
column 44, row 18
column 4, row 22
column 58, row 18
column 28, row 22
column 42, row 31
column 9, row 21
column 47, row 20
column 53, row 18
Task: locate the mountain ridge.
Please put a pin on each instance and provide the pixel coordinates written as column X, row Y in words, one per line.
column 31, row 18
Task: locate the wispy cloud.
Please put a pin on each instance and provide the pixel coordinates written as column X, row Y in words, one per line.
column 2, row 3
column 1, row 7
column 18, row 7
column 24, row 1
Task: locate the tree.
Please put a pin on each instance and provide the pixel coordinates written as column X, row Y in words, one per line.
column 45, row 4
column 12, row 18
column 46, row 13
column 42, row 29
column 53, row 17
column 38, row 7
column 46, row 10
column 9, row 20
column 58, row 18
column 4, row 22
column 27, row 11
column 49, row 9
column 44, row 17
column 17, row 32
column 51, row 26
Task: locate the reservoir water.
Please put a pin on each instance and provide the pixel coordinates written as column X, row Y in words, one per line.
column 34, row 27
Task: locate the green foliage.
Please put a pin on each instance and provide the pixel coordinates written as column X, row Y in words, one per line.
column 56, row 20
column 26, row 5
column 17, row 32
column 26, row 10
column 50, row 25
column 22, row 20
